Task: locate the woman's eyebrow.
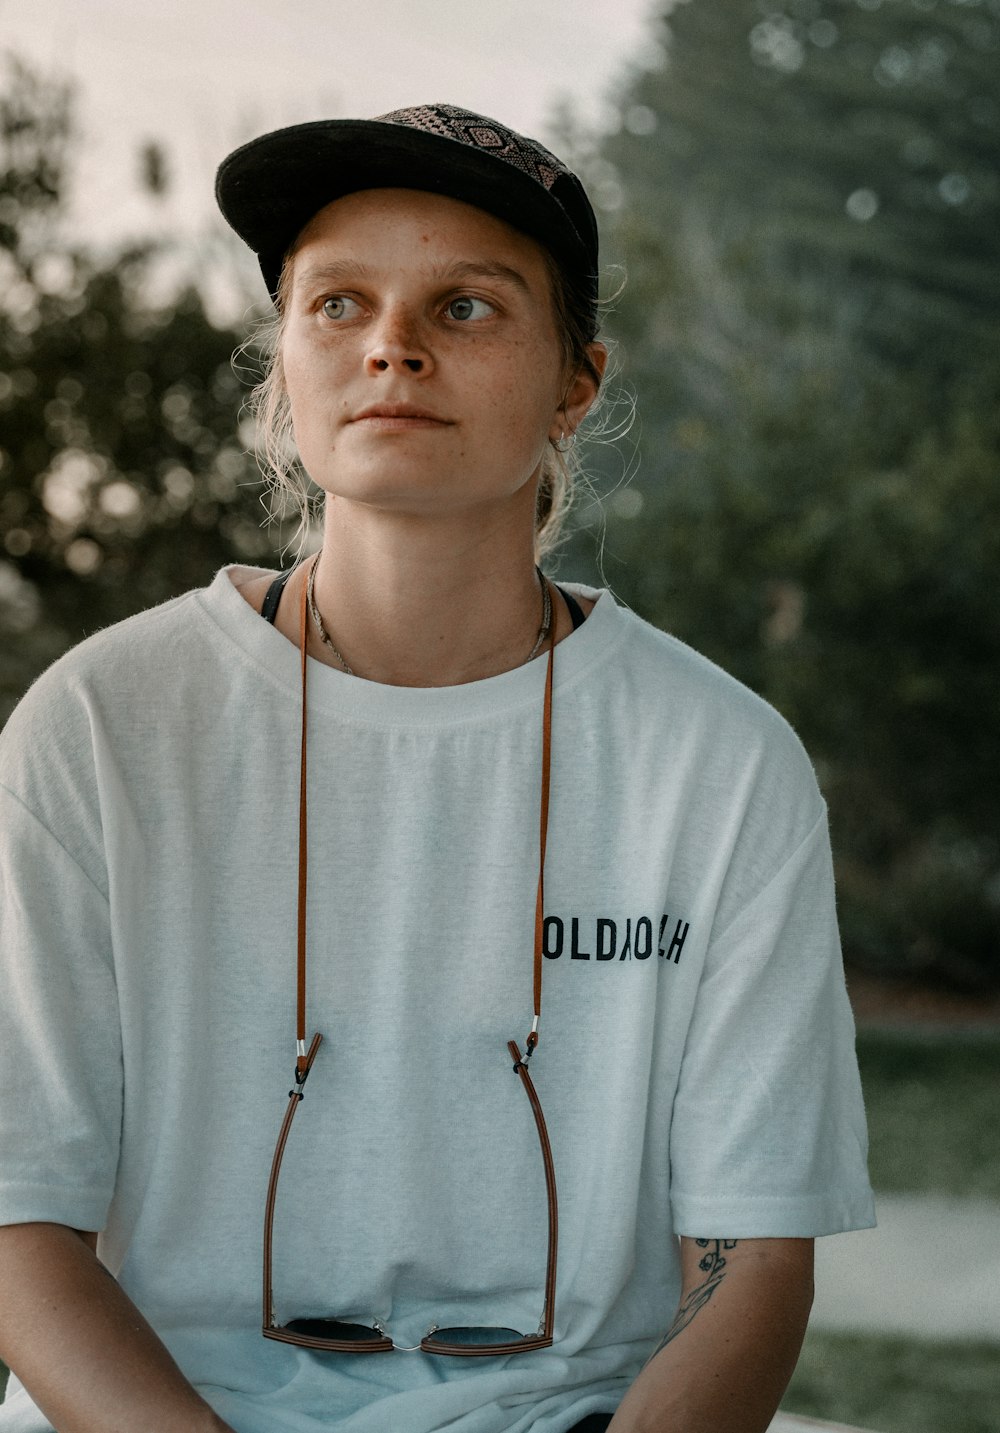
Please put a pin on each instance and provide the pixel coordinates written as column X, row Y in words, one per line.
column 335, row 272
column 484, row 269
column 462, row 270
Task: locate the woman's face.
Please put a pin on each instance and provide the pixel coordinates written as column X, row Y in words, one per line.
column 440, row 316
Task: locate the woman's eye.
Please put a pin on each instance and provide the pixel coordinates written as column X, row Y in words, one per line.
column 337, row 306
column 467, row 307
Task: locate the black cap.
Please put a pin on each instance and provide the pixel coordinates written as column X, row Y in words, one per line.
column 269, row 189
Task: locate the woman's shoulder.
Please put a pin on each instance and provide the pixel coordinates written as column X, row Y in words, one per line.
column 116, row 696
column 687, row 676
column 668, row 694
column 144, row 639
column 128, row 662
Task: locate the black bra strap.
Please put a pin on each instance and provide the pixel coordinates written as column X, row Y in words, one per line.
column 270, row 608
column 575, row 610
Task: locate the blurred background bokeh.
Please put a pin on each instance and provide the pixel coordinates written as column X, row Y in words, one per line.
column 803, row 200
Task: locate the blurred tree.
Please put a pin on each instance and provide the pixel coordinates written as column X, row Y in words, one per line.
column 154, row 168
column 124, row 477
column 35, row 133
column 862, row 134
column 817, row 505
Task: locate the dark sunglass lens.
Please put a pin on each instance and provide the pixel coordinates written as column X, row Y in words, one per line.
column 333, row 1329
column 476, row 1336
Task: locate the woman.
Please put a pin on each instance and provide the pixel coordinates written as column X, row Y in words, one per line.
column 554, row 891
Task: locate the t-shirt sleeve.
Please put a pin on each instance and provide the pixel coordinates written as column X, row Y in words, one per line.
column 768, row 1136
column 60, row 1035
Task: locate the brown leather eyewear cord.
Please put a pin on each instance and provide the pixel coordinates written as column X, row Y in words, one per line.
column 304, row 1062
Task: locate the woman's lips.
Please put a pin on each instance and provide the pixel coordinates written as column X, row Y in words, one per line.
column 387, row 423
column 398, row 417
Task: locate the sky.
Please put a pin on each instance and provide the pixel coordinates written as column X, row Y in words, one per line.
column 202, row 76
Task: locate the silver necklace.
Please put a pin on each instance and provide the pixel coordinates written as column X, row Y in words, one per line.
column 324, row 635
column 546, row 626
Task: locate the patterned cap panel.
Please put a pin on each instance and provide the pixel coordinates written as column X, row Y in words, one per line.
column 462, row 125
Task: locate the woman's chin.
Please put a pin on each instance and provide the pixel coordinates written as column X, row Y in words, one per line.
column 418, row 492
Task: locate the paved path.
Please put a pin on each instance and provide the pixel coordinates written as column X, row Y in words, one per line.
column 930, row 1270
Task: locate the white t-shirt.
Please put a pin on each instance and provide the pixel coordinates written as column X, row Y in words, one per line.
column 695, row 1061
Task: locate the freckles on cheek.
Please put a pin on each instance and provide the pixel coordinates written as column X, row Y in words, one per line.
column 314, row 404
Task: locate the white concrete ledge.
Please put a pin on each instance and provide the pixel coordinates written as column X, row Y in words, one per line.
column 930, row 1270
column 795, row 1423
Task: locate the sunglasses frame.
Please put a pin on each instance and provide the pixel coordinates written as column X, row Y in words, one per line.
column 542, row 1339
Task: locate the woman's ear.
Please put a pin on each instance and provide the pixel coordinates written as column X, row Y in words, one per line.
column 582, row 390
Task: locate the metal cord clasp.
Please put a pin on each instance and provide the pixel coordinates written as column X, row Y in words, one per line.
column 532, row 1041
column 301, row 1070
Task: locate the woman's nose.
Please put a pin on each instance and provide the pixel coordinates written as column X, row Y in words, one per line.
column 398, row 345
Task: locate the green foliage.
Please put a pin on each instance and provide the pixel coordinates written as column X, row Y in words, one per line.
column 896, row 1385
column 124, row 477
column 931, row 1104
column 817, row 506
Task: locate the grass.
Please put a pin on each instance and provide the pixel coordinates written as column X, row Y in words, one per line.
column 897, row 1385
column 932, row 1112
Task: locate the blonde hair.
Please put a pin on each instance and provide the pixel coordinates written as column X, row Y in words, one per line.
column 287, row 480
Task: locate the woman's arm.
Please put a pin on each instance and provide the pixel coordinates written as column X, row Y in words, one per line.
column 80, row 1346
column 725, row 1361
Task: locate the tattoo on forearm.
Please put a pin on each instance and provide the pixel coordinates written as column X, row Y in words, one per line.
column 713, row 1266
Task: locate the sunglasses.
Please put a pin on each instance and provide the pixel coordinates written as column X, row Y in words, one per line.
column 342, row 1336
column 338, row 1335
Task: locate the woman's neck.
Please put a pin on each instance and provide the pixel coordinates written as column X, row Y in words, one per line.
column 408, row 604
